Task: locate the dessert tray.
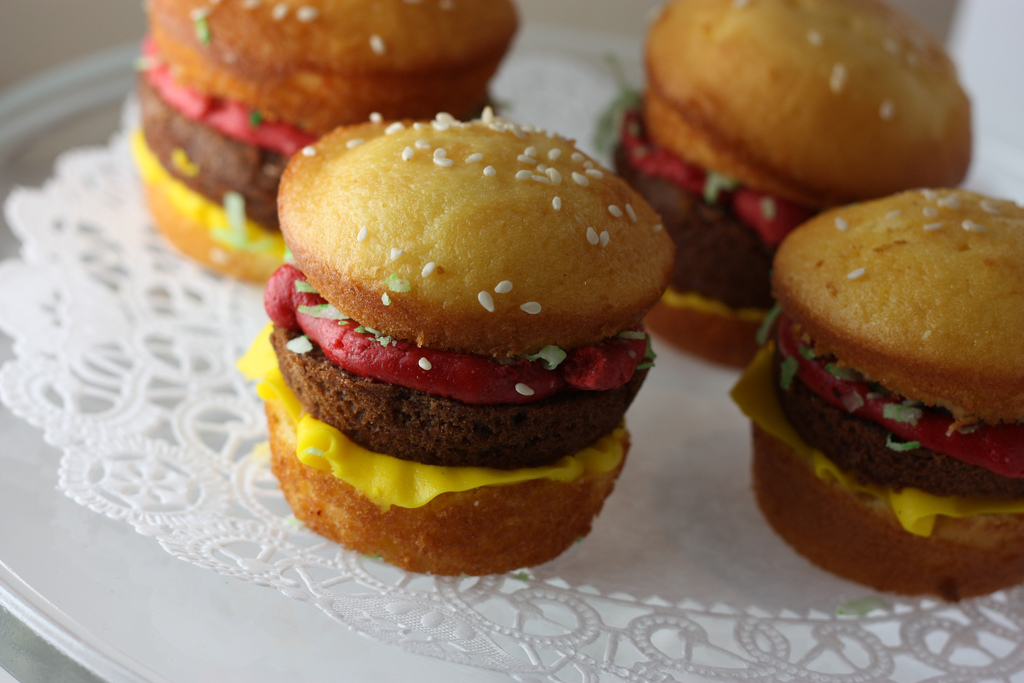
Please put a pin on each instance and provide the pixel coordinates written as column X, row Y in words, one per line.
column 122, row 359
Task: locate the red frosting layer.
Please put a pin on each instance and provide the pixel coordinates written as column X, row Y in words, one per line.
column 999, row 448
column 232, row 119
column 471, row 379
column 772, row 218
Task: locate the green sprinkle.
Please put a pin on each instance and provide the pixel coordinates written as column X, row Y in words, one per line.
column 807, row 352
column 645, row 366
column 292, row 520
column 522, row 576
column 632, row 334
column 649, row 354
column 766, row 325
column 901, row 413
column 361, row 329
column 288, row 258
column 327, row 311
column 862, row 606
column 901, row 446
column 788, row 372
column 397, row 284
column 385, row 299
column 550, row 356
column 255, row 118
column 768, row 208
column 300, row 345
column 845, row 374
column 304, row 286
column 715, row 183
column 202, row 30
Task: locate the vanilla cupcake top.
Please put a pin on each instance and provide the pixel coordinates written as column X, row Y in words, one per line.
column 923, row 292
column 483, row 237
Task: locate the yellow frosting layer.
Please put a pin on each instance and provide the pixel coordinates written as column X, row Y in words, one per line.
column 695, row 301
column 198, row 208
column 387, row 480
column 916, row 510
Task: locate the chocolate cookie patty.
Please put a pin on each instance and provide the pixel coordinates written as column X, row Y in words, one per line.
column 434, row 430
column 858, row 446
column 716, row 255
column 224, row 163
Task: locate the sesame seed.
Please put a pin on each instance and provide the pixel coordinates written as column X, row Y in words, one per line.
column 854, row 274
column 394, row 128
column 891, row 46
column 971, row 226
column 441, row 125
column 446, row 5
column 531, row 152
column 354, row 142
column 930, row 212
column 425, row 364
column 445, row 117
column 377, row 44
column 526, row 159
column 555, row 176
column 408, row 153
column 543, row 168
column 385, row 299
column 307, row 13
column 422, row 144
column 577, row 157
column 524, row 390
column 837, row 79
column 364, row 232
column 814, row 38
column 594, row 173
column 887, row 110
column 279, row 12
column 892, row 214
column 931, row 227
column 605, row 238
column 657, row 227
column 554, row 154
column 488, row 115
column 503, row 287
column 988, row 206
column 428, row 269
column 440, row 153
column 309, row 151
column 376, row 117
column 842, row 223
column 489, row 171
column 631, row 212
column 486, row 300
column 531, row 307
column 929, row 194
column 473, row 158
column 950, row 201
column 588, row 164
column 927, row 333
column 252, row 4
column 581, row 179
column 740, row 4
column 557, row 203
column 396, row 253
column 523, row 175
column 541, row 179
column 615, row 211
column 592, row 236
column 444, row 162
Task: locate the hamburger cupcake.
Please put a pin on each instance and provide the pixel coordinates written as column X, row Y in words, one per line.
column 457, row 341
column 888, row 408
column 230, row 90
column 757, row 114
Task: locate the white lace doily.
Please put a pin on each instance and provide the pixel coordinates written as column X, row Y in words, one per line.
column 124, row 357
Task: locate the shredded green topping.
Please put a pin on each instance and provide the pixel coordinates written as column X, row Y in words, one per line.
column 522, row 576
column 288, row 258
column 327, row 311
column 304, row 286
column 255, row 118
column 788, row 372
column 715, row 183
column 649, row 357
column 202, row 31
column 768, row 208
column 901, row 446
column 611, row 118
column 550, row 356
column 807, row 352
column 300, row 345
column 235, row 235
column 853, row 402
column 144, row 63
column 845, row 374
column 632, row 334
column 901, row 413
column 397, row 284
column 862, row 606
column 766, row 325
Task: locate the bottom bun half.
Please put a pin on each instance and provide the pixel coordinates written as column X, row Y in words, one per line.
column 724, row 339
column 486, row 530
column 858, row 537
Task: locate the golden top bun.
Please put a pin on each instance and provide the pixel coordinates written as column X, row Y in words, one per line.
column 512, row 219
column 322, row 63
column 822, row 102
column 923, row 292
